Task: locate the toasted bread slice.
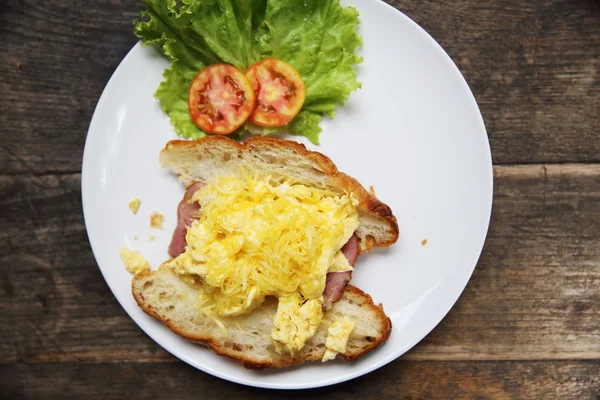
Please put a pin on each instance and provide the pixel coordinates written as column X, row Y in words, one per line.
column 165, row 296
column 282, row 160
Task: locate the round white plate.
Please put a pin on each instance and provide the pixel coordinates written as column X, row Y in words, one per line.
column 413, row 131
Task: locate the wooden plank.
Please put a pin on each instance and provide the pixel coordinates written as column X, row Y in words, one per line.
column 398, row 380
column 66, row 51
column 534, row 68
column 533, row 296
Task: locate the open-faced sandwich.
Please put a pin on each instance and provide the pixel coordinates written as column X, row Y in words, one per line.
column 267, row 237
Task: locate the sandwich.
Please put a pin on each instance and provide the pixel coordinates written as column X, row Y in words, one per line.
column 267, row 237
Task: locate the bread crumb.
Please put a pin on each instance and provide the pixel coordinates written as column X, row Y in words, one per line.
column 156, row 220
column 135, row 263
column 134, row 205
column 423, row 242
column 135, row 238
column 372, row 190
column 150, row 238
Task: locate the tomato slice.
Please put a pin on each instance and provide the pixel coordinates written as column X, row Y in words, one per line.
column 220, row 99
column 280, row 92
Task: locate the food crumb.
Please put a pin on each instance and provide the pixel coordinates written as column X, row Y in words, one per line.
column 156, row 220
column 135, row 238
column 372, row 190
column 135, row 263
column 150, row 238
column 19, row 66
column 134, row 205
column 423, row 242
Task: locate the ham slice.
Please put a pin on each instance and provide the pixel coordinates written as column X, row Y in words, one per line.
column 185, row 216
column 337, row 281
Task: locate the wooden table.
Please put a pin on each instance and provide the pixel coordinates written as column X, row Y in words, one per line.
column 528, row 323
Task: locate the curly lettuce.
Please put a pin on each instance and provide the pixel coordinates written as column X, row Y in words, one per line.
column 317, row 37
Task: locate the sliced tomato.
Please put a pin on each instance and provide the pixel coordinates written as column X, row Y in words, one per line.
column 280, row 92
column 220, row 99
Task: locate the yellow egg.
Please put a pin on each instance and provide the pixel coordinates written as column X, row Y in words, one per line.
column 340, row 263
column 134, row 205
column 295, row 322
column 134, row 261
column 338, row 334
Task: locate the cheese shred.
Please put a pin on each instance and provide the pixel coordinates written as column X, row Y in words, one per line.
column 256, row 238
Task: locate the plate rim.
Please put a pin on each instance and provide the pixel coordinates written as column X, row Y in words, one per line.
column 345, row 376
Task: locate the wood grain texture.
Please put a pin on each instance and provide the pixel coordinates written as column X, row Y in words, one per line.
column 534, row 67
column 526, row 326
column 67, row 50
column 533, row 296
column 399, row 380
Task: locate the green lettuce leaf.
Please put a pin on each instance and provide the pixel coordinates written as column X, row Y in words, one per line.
column 317, row 37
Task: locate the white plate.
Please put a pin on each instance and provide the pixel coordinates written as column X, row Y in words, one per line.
column 413, row 131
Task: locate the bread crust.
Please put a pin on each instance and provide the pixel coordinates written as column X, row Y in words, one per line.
column 368, row 202
column 255, row 364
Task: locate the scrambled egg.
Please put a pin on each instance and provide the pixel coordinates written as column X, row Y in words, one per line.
column 337, row 337
column 156, row 220
column 256, row 238
column 134, row 261
column 340, row 263
column 134, row 205
column 296, row 321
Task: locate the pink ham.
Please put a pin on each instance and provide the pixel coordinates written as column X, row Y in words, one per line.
column 337, row 281
column 185, row 216
column 350, row 250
